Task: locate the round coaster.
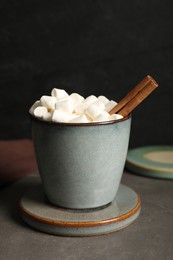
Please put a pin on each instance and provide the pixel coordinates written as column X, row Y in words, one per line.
column 40, row 214
column 152, row 161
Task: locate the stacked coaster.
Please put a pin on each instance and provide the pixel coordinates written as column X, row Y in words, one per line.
column 151, row 161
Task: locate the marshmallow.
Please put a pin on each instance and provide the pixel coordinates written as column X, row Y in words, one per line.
column 115, row 117
column 61, row 107
column 59, row 93
column 48, row 102
column 65, row 105
column 76, row 98
column 95, row 109
column 47, row 116
column 32, row 108
column 61, row 116
column 103, row 99
column 104, row 116
column 110, row 105
column 89, row 100
column 40, row 111
column 80, row 119
column 80, row 108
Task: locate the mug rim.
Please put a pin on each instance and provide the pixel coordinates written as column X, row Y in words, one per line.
column 110, row 122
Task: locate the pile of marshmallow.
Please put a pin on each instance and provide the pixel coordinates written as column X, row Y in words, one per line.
column 74, row 108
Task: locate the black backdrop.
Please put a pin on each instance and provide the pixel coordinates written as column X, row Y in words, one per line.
column 89, row 47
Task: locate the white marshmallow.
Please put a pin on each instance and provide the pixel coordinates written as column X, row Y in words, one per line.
column 61, row 107
column 76, row 98
column 48, row 102
column 65, row 105
column 40, row 111
column 59, row 93
column 80, row 108
column 115, row 117
column 89, row 100
column 104, row 116
column 32, row 108
column 61, row 116
column 95, row 109
column 103, row 99
column 80, row 119
column 110, row 105
column 47, row 116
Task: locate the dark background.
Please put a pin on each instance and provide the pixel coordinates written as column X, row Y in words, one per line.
column 89, row 47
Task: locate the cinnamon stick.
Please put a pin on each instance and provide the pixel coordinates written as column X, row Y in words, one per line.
column 135, row 97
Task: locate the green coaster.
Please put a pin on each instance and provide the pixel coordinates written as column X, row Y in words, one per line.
column 151, row 161
column 40, row 214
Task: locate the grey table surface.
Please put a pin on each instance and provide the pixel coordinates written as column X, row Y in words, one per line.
column 149, row 237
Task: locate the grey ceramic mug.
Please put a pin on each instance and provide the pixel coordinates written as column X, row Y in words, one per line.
column 81, row 165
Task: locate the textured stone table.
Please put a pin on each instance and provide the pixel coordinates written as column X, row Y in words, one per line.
column 149, row 237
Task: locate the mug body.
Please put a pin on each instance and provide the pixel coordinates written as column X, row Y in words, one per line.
column 81, row 165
